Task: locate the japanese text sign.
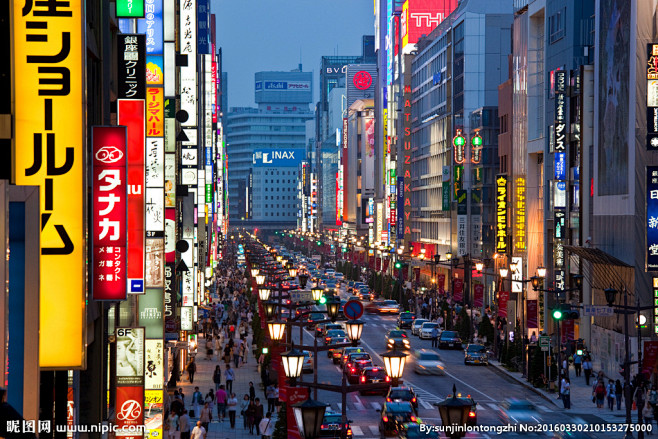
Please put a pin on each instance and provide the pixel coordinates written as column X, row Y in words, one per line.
column 652, row 218
column 130, row 8
column 48, row 151
column 131, row 80
column 109, row 212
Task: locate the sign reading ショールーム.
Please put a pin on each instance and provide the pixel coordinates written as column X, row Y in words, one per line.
column 48, row 151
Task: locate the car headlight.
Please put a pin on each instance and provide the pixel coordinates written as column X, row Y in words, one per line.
column 390, row 340
column 406, row 341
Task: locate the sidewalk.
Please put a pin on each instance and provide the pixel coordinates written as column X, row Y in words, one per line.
column 581, row 397
column 203, row 379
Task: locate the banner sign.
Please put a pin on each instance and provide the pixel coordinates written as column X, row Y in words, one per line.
column 501, row 214
column 188, row 47
column 400, row 219
column 478, row 295
column 457, row 290
column 652, row 97
column 154, row 373
column 130, row 356
column 650, row 358
column 129, row 411
column 131, row 80
column 152, row 27
column 150, row 313
column 130, row 8
column 560, row 111
column 652, row 218
column 503, row 298
column 441, row 281
column 171, row 328
column 48, row 59
column 131, row 113
column 109, row 213
column 531, row 309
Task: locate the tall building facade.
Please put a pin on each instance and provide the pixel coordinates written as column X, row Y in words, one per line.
column 258, row 137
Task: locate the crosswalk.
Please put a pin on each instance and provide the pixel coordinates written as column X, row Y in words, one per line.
column 423, row 404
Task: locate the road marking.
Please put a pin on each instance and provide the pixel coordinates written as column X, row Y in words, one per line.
column 340, row 406
column 374, row 429
column 359, row 406
column 358, row 400
column 426, row 405
column 356, row 430
column 541, row 408
column 376, row 405
column 494, row 407
column 469, row 386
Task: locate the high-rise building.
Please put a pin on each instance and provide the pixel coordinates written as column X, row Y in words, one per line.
column 265, row 146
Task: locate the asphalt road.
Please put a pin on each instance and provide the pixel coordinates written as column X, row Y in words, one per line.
column 485, row 384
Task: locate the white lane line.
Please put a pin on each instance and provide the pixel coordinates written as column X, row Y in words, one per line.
column 358, row 400
column 340, row 406
column 376, row 406
column 374, row 429
column 356, row 430
column 494, row 407
column 425, row 405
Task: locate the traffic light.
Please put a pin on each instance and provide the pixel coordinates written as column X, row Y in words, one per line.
column 398, row 265
column 563, row 311
column 319, row 243
column 323, row 300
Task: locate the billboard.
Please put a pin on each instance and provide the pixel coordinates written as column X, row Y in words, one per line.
column 130, row 8
column 652, row 97
column 131, row 80
column 129, row 356
column 154, row 371
column 283, row 86
column 149, row 311
column 129, row 411
column 501, row 214
column 361, row 81
column 152, row 26
column 420, row 17
column 109, row 212
column 277, row 157
column 652, row 218
column 48, row 150
column 131, row 113
column 188, row 47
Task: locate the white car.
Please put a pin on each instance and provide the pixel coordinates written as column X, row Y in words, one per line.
column 308, row 362
column 415, row 326
column 426, row 330
column 428, row 362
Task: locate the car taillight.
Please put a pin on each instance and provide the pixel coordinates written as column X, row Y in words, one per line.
column 363, row 379
column 384, row 418
column 413, row 418
column 471, row 414
column 413, row 399
column 349, row 431
column 388, row 399
column 327, row 339
column 387, row 379
column 353, row 370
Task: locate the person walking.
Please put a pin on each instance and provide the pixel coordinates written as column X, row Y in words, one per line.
column 435, row 337
column 577, row 364
column 587, row 368
column 610, row 392
column 199, row 432
column 236, row 358
column 184, row 425
column 172, row 424
column 250, row 414
column 619, row 390
column 218, row 346
column 647, row 414
column 210, row 400
column 191, row 369
column 232, row 404
column 269, row 394
column 242, row 351
column 599, row 393
column 228, row 376
column 244, row 405
column 258, row 414
column 266, row 427
column 220, row 400
column 197, row 402
column 217, row 377
column 206, row 416
column 252, row 391
column 565, row 392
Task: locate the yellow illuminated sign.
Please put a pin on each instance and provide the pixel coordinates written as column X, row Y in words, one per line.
column 501, row 214
column 519, row 207
column 48, row 150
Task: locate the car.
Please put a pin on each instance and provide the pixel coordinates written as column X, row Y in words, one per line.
column 365, row 295
column 308, row 362
column 339, row 276
column 353, row 372
column 472, row 418
column 352, row 357
column 428, row 362
column 314, row 317
column 426, row 330
column 397, row 339
column 353, row 298
column 405, row 319
column 324, row 327
column 332, row 426
column 476, row 354
column 450, row 339
column 518, row 411
column 412, row 430
column 373, row 307
column 415, row 326
column 402, row 393
column 346, row 351
column 373, row 375
column 389, row 306
column 334, row 336
column 393, row 416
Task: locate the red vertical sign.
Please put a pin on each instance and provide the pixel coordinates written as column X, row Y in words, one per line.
column 478, row 295
column 531, row 308
column 649, row 358
column 417, row 274
column 441, row 281
column 129, row 411
column 131, row 113
column 386, row 261
column 378, row 264
column 503, row 298
column 109, row 212
column 567, row 330
column 457, row 290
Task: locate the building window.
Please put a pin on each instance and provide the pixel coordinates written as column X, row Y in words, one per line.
column 556, row 25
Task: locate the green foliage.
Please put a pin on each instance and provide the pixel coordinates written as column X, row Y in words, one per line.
column 387, row 289
column 281, row 426
column 371, row 281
